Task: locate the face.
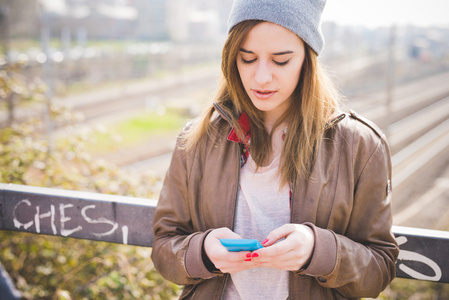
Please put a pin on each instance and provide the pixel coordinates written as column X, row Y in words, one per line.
column 269, row 64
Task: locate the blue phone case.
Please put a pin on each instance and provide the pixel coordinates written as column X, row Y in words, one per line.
column 235, row 245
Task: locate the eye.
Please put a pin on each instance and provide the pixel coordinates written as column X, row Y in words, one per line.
column 247, row 62
column 282, row 63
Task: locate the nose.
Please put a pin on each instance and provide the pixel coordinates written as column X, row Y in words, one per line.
column 263, row 73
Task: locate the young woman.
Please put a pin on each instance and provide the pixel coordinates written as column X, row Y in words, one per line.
column 274, row 159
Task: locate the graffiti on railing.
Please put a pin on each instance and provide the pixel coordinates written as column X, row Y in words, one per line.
column 405, row 255
column 62, row 220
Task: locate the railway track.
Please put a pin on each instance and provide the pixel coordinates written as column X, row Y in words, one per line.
column 407, row 99
column 136, row 96
column 126, row 98
column 417, row 127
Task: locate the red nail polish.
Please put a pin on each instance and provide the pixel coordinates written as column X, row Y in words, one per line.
column 255, row 255
column 248, row 255
column 249, row 259
column 264, row 242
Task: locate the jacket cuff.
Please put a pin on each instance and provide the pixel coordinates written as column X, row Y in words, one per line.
column 194, row 263
column 324, row 256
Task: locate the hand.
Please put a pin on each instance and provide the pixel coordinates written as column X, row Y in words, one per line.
column 224, row 260
column 290, row 254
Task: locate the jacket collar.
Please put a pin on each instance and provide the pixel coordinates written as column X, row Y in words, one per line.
column 246, row 128
column 245, row 124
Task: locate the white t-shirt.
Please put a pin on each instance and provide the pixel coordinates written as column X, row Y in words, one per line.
column 261, row 207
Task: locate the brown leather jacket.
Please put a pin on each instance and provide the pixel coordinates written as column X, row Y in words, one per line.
column 346, row 202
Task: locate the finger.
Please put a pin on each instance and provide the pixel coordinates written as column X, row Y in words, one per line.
column 290, row 258
column 291, row 253
column 231, row 267
column 237, row 257
column 290, row 261
column 275, row 251
column 216, row 251
column 220, row 253
column 224, row 233
column 278, row 233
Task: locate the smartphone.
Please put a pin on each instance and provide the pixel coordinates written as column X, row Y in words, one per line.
column 235, row 245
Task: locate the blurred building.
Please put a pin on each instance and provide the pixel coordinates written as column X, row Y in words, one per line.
column 197, row 20
column 193, row 22
column 176, row 20
column 151, row 20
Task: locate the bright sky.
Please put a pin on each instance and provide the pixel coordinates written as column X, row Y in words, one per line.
column 373, row 13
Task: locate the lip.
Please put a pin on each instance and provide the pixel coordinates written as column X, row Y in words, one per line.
column 263, row 94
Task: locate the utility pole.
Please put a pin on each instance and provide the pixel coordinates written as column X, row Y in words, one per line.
column 4, row 27
column 47, row 71
column 5, row 37
column 390, row 79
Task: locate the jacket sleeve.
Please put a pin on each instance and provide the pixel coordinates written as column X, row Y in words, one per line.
column 177, row 247
column 363, row 259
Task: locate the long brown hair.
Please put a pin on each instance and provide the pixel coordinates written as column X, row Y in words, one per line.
column 315, row 101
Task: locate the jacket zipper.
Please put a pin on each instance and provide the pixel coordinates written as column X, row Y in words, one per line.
column 290, row 277
column 224, row 114
column 233, row 219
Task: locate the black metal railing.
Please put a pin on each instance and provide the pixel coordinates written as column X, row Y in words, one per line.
column 128, row 220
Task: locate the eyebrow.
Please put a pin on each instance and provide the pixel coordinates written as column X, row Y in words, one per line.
column 277, row 53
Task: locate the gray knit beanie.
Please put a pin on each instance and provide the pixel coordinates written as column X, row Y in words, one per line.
column 302, row 17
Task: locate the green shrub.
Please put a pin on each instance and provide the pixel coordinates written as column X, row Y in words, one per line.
column 47, row 267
